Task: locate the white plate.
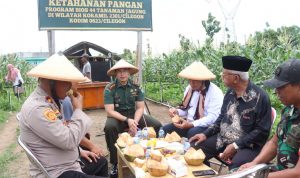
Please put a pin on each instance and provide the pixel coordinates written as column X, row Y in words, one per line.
column 159, row 143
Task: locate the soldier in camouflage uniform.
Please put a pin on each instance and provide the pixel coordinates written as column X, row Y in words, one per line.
column 285, row 144
column 124, row 104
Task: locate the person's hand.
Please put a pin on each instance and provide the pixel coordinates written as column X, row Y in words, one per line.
column 76, row 101
column 133, row 126
column 228, row 153
column 173, row 112
column 97, row 150
column 198, row 138
column 247, row 165
column 183, row 125
column 90, row 156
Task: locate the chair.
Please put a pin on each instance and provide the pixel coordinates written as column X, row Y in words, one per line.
column 225, row 164
column 18, row 116
column 257, row 171
column 32, row 158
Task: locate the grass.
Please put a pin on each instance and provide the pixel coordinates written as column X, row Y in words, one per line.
column 3, row 116
column 7, row 157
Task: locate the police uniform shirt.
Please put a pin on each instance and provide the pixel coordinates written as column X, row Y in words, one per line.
column 54, row 144
column 123, row 96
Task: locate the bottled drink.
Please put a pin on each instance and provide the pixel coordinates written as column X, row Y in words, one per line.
column 161, row 133
column 145, row 133
column 139, row 134
column 148, row 151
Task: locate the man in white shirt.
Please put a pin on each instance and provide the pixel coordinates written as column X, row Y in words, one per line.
column 201, row 104
column 86, row 70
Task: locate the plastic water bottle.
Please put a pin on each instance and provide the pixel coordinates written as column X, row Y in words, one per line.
column 145, row 134
column 148, row 151
column 186, row 146
column 161, row 133
column 139, row 134
column 136, row 140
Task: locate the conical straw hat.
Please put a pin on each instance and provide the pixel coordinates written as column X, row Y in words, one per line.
column 122, row 64
column 57, row 67
column 197, row 71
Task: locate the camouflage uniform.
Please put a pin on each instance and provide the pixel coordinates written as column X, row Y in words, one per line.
column 288, row 133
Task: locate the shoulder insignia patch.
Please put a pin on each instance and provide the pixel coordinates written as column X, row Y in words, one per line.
column 50, row 115
column 112, row 86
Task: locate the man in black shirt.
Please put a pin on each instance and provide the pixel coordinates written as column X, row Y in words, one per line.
column 243, row 126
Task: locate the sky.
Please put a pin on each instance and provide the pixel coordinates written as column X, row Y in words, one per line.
column 19, row 25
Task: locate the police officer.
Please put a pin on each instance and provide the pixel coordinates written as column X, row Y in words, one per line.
column 285, row 143
column 124, row 104
column 41, row 126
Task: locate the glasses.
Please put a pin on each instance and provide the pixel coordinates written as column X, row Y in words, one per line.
column 224, row 75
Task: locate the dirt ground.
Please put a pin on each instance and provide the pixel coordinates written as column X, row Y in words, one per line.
column 20, row 166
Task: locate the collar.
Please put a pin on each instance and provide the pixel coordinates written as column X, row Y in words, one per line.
column 47, row 98
column 291, row 113
column 118, row 84
column 249, row 93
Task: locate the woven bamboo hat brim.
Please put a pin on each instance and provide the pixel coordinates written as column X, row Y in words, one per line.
column 122, row 64
column 197, row 71
column 57, row 67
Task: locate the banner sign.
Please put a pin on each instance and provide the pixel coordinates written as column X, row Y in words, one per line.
column 95, row 15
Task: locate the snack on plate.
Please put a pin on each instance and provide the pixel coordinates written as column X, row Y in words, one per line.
column 139, row 162
column 134, row 151
column 156, row 155
column 124, row 140
column 176, row 119
column 167, row 152
column 70, row 92
column 156, row 168
column 173, row 137
column 193, row 157
column 151, row 132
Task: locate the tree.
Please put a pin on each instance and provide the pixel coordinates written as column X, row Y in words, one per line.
column 211, row 26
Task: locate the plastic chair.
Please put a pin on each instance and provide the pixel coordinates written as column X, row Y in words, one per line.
column 224, row 163
column 32, row 158
column 257, row 171
column 18, row 116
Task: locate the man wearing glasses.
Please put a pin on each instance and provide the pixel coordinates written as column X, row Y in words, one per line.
column 243, row 126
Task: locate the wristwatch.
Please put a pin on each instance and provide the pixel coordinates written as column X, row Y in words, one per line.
column 235, row 146
column 126, row 120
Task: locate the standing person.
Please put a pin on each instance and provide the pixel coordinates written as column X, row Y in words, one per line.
column 54, row 144
column 124, row 104
column 243, row 126
column 285, row 143
column 86, row 70
column 201, row 104
column 14, row 76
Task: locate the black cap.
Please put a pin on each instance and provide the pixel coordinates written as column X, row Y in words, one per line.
column 287, row 72
column 237, row 63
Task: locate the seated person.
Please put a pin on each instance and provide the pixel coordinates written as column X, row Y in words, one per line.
column 201, row 104
column 285, row 144
column 54, row 144
column 124, row 104
column 243, row 126
column 86, row 144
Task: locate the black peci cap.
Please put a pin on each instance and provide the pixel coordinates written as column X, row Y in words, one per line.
column 237, row 63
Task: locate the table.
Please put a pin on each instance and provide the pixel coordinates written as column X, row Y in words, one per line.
column 93, row 94
column 123, row 162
